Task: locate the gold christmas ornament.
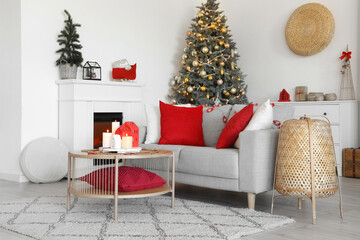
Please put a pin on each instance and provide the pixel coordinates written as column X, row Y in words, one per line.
column 200, row 14
column 222, row 63
column 188, row 33
column 221, row 42
column 222, row 71
column 233, row 90
column 215, row 59
column 213, row 25
column 216, row 47
column 223, row 30
column 178, row 91
column 195, row 63
column 188, row 68
column 203, row 88
column 190, row 43
column 201, row 39
column 218, row 20
column 191, row 99
column 203, row 73
column 224, row 91
column 173, row 101
column 190, row 89
column 183, row 62
column 186, row 80
column 184, row 56
column 200, row 22
column 243, row 93
column 227, row 94
column 226, row 45
column 198, row 35
column 172, row 82
column 205, row 50
column 207, row 96
column 239, row 79
column 219, row 82
column 193, row 53
column 200, row 64
column 210, row 77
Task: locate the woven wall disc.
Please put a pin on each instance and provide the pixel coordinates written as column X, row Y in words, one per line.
column 310, row 29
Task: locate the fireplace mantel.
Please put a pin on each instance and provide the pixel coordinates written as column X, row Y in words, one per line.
column 79, row 99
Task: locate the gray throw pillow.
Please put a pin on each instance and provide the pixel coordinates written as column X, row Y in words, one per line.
column 236, row 108
column 214, row 121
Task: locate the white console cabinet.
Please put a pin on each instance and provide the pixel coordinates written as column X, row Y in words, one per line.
column 343, row 116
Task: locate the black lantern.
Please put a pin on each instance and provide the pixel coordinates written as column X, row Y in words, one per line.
column 92, row 71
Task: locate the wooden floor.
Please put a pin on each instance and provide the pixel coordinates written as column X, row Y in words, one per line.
column 329, row 226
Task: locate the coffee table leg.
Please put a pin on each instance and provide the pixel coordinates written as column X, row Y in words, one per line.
column 173, row 182
column 116, row 188
column 68, row 183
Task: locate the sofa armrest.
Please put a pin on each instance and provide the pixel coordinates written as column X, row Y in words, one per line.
column 257, row 154
column 142, row 134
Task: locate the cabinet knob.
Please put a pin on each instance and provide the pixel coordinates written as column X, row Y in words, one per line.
column 325, row 113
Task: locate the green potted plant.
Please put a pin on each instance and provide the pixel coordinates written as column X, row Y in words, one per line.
column 70, row 56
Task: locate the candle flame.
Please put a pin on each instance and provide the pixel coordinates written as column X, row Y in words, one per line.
column 107, row 130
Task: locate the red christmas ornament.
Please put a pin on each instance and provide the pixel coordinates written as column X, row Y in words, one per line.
column 284, row 96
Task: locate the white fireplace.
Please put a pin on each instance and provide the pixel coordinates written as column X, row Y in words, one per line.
column 80, row 99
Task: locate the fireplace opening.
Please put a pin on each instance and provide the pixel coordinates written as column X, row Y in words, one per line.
column 102, row 123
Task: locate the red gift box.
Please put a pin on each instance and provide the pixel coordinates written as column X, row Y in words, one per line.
column 122, row 73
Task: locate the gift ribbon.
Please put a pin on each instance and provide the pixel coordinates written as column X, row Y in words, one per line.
column 346, row 55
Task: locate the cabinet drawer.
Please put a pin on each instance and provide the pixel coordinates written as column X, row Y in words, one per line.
column 332, row 112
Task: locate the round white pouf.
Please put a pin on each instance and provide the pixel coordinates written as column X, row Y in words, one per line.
column 44, row 160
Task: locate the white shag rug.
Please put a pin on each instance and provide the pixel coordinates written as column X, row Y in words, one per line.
column 145, row 218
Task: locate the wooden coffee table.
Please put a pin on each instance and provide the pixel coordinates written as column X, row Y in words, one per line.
column 87, row 161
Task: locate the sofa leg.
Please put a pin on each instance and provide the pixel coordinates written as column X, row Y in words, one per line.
column 251, row 200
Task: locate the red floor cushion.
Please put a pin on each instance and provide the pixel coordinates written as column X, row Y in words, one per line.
column 130, row 179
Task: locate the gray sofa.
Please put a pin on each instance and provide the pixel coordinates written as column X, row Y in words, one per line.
column 248, row 169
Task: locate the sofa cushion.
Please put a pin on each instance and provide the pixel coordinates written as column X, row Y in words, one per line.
column 235, row 109
column 208, row 161
column 214, row 121
column 181, row 125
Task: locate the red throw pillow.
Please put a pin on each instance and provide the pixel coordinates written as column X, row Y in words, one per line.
column 130, row 179
column 181, row 125
column 235, row 125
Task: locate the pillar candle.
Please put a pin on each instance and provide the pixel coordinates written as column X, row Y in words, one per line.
column 114, row 126
column 126, row 142
column 106, row 141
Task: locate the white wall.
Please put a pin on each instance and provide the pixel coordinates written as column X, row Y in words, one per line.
column 152, row 34
column 10, row 91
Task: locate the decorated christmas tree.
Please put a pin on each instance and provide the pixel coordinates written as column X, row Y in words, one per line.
column 209, row 74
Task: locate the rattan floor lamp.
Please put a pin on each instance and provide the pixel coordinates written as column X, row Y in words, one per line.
column 305, row 162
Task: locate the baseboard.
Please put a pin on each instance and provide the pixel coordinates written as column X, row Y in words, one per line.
column 13, row 177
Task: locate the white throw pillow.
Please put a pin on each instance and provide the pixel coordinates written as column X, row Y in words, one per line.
column 262, row 119
column 153, row 130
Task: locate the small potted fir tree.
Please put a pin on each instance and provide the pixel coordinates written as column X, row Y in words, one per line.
column 70, row 56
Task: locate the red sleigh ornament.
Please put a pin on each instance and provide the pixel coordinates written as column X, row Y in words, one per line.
column 122, row 73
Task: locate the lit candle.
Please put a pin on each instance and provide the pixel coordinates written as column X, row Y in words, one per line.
column 114, row 126
column 126, row 142
column 106, row 141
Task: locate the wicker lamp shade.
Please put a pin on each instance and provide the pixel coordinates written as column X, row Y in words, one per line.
column 310, row 29
column 305, row 161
